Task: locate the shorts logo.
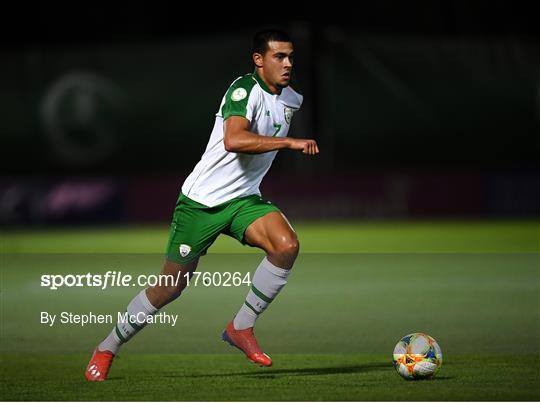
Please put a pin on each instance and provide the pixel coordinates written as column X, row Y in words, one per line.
column 238, row 94
column 184, row 250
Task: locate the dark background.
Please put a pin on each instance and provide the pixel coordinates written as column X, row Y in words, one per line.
column 421, row 109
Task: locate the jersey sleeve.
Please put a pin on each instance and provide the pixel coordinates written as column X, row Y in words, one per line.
column 240, row 99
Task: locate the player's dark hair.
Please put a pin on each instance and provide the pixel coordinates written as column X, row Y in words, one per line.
column 261, row 39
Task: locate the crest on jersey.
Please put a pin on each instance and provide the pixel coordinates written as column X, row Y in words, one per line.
column 184, row 250
column 238, row 94
column 288, row 114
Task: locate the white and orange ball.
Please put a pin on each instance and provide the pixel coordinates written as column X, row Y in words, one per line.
column 417, row 356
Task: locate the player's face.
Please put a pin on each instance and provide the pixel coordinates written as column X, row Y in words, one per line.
column 276, row 63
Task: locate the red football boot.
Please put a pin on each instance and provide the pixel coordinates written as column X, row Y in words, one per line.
column 99, row 365
column 245, row 341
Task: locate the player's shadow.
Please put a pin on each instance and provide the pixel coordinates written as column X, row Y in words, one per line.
column 273, row 373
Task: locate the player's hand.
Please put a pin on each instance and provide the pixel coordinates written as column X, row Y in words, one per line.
column 307, row 146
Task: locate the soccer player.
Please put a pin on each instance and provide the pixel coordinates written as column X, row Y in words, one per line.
column 221, row 196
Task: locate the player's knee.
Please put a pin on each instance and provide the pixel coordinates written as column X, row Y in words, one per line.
column 287, row 246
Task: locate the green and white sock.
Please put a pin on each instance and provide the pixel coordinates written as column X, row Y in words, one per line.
column 139, row 309
column 268, row 281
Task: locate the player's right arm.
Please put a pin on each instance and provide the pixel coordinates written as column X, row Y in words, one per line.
column 238, row 139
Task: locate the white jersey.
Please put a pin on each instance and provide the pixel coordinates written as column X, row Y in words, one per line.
column 221, row 175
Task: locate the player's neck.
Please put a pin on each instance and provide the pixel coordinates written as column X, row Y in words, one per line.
column 269, row 86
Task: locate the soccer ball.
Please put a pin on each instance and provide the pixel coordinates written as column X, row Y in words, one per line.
column 417, row 356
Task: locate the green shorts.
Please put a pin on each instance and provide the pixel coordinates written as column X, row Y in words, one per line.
column 195, row 227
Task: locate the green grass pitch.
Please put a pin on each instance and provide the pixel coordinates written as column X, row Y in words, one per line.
column 355, row 290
